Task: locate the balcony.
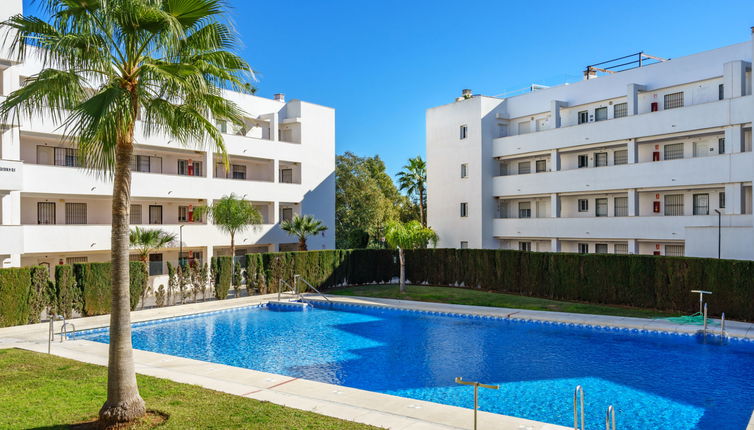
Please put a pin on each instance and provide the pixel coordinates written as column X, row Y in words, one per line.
column 612, row 228
column 11, row 175
column 673, row 173
column 12, row 239
column 695, row 117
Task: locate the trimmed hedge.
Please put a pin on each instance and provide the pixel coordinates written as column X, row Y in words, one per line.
column 93, row 281
column 223, row 273
column 15, row 285
column 67, row 297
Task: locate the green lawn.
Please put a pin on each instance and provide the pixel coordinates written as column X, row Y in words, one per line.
column 463, row 296
column 47, row 392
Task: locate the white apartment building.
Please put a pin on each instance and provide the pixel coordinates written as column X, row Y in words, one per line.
column 53, row 212
column 639, row 161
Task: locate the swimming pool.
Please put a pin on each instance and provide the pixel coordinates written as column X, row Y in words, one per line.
column 654, row 380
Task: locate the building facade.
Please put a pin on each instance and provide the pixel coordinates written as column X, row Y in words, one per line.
column 652, row 160
column 54, row 212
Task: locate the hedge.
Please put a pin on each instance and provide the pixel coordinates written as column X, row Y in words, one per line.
column 633, row 280
column 15, row 285
column 223, row 273
column 93, row 281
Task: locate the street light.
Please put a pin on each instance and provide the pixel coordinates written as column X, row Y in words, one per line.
column 719, row 216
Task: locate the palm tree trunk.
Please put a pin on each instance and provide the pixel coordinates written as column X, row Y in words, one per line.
column 302, row 244
column 145, row 260
column 123, row 400
column 402, row 259
column 422, row 210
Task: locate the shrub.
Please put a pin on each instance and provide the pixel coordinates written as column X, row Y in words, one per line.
column 67, row 294
column 223, row 268
column 38, row 293
column 159, row 296
column 93, row 279
column 203, row 280
column 15, row 285
column 237, row 279
column 172, row 284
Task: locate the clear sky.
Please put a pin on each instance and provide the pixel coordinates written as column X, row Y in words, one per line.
column 382, row 63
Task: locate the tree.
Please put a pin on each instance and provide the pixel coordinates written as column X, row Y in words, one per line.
column 408, row 235
column 413, row 180
column 106, row 64
column 302, row 227
column 366, row 200
column 231, row 215
column 146, row 241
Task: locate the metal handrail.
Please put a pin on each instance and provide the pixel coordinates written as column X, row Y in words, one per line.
column 578, row 396
column 610, row 418
column 290, row 289
column 295, row 277
column 476, row 386
column 722, row 326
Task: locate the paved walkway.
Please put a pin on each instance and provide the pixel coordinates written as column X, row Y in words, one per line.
column 367, row 407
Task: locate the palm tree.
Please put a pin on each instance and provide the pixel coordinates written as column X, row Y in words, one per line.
column 413, row 180
column 106, row 64
column 302, row 227
column 146, row 240
column 231, row 215
column 408, row 235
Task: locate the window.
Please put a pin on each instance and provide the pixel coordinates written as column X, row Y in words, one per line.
column 600, row 248
column 155, row 264
column 720, row 92
column 503, row 169
column 541, row 166
column 524, row 246
column 620, row 110
column 221, row 125
column 286, row 176
column 583, row 161
column 185, row 215
column 524, row 167
column 286, row 214
column 66, row 157
column 524, row 127
column 674, row 250
column 583, row 248
column 135, row 216
column 502, row 209
column 721, row 200
column 239, row 171
column 620, row 157
column 621, row 206
column 721, row 145
column 464, row 170
column 74, row 260
column 600, row 159
column 46, row 213
column 673, row 100
column 701, row 204
column 601, row 205
column 464, row 209
column 620, row 248
column 155, row 214
column 673, row 151
column 193, row 257
column 140, row 163
column 600, row 114
column 524, row 209
column 464, row 244
column 75, row 213
column 703, row 149
column 583, row 116
column 583, row 205
column 190, row 168
column 464, row 131
column 674, row 204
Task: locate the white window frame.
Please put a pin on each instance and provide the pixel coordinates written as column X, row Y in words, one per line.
column 464, row 209
column 583, row 205
column 464, row 131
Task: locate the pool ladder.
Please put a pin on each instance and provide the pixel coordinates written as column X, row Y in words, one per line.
column 63, row 330
column 578, row 411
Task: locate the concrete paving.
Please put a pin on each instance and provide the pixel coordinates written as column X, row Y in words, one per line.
column 366, row 407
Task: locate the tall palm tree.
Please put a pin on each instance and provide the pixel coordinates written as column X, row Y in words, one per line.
column 105, row 64
column 302, row 227
column 145, row 241
column 232, row 215
column 413, row 180
column 408, row 235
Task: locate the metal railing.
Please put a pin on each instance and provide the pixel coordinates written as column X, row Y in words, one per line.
column 295, row 282
column 290, row 289
column 610, row 418
column 578, row 399
column 476, row 386
column 63, row 330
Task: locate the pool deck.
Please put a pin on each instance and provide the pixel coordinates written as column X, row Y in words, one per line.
column 366, row 407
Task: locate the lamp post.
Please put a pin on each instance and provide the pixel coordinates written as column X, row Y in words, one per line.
column 180, row 246
column 719, row 216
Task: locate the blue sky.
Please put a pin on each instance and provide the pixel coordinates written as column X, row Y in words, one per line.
column 381, row 64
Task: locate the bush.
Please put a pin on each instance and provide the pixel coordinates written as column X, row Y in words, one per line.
column 39, row 298
column 159, row 296
column 15, row 286
column 93, row 280
column 223, row 272
column 67, row 294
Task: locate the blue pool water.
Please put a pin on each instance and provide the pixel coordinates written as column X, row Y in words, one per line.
column 654, row 380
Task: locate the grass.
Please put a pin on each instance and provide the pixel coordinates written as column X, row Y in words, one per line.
column 464, row 296
column 47, row 392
